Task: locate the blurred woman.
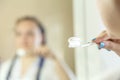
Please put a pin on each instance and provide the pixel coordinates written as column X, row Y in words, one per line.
column 33, row 59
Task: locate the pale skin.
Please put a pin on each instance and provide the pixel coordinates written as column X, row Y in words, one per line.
column 110, row 43
column 110, row 12
column 29, row 38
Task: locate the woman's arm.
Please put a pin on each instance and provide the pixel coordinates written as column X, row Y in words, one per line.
column 64, row 71
column 61, row 67
column 110, row 13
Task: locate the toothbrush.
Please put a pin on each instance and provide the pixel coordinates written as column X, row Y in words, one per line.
column 87, row 44
column 76, row 42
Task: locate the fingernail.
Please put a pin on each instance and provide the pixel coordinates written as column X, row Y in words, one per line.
column 93, row 39
column 99, row 48
column 102, row 45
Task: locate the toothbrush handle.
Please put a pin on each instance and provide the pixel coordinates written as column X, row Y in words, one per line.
column 87, row 45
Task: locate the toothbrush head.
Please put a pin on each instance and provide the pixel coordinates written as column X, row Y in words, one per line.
column 20, row 52
column 74, row 42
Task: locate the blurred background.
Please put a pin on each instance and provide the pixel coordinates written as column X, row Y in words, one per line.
column 62, row 19
column 55, row 15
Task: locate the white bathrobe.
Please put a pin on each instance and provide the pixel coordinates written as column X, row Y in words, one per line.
column 48, row 71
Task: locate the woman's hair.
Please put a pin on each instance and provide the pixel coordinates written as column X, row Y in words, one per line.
column 37, row 22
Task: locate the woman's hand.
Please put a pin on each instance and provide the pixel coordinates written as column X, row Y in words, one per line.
column 46, row 52
column 104, row 41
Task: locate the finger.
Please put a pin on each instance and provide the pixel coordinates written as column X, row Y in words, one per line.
column 116, row 40
column 111, row 46
column 103, row 33
column 103, row 36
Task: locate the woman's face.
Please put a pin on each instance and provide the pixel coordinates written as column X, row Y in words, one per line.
column 27, row 36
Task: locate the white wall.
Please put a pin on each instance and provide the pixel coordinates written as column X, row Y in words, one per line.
column 86, row 23
column 79, row 28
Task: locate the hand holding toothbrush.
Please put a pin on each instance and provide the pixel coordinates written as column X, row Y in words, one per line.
column 107, row 42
